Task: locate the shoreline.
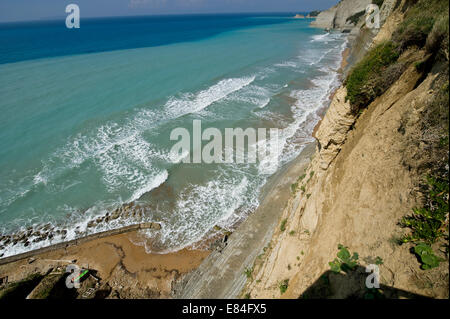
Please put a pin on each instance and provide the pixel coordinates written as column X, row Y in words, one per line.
column 221, row 274
column 224, row 270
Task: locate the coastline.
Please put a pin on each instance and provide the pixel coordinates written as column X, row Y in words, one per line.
column 222, row 274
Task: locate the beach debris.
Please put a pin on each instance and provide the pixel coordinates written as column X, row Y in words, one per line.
column 31, row 260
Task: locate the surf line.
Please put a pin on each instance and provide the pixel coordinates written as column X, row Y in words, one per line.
column 258, row 145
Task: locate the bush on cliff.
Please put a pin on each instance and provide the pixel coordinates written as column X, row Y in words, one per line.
column 373, row 75
column 419, row 22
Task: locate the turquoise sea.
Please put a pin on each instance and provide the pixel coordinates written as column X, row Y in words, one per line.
column 86, row 117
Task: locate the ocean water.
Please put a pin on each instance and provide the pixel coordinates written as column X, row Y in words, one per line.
column 86, row 117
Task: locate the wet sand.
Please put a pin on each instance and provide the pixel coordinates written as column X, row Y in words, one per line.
column 124, row 266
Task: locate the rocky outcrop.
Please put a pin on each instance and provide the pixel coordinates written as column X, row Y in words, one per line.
column 333, row 129
column 337, row 16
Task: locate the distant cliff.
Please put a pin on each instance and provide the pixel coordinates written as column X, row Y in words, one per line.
column 338, row 16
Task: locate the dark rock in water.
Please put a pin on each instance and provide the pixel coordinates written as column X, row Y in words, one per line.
column 47, row 226
column 126, row 213
column 346, row 31
column 91, row 224
column 99, row 220
column 115, row 214
column 27, row 243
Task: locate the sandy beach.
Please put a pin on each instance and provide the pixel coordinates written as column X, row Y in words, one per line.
column 124, row 269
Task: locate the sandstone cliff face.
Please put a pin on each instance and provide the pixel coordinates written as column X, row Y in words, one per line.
column 336, row 17
column 356, row 190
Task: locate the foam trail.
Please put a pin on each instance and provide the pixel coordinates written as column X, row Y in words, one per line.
column 195, row 103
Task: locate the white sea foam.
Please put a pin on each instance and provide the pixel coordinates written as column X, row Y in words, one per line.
column 191, row 103
column 253, row 94
column 287, row 64
column 321, row 37
column 154, row 182
column 200, row 207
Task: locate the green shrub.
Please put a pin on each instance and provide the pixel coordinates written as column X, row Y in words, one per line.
column 283, row 225
column 345, row 260
column 248, row 272
column 284, row 286
column 379, row 261
column 438, row 39
column 419, row 21
column 428, row 223
column 294, row 187
column 427, row 257
column 368, row 80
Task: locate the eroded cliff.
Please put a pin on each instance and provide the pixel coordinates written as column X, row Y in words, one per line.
column 365, row 176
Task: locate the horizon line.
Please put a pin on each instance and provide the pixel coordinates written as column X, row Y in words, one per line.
column 156, row 15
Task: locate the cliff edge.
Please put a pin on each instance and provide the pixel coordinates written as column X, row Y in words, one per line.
column 376, row 191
